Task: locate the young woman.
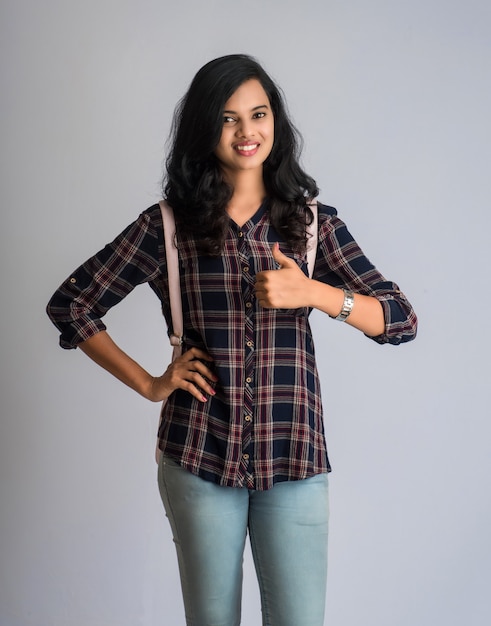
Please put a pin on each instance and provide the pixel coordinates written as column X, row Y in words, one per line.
column 242, row 439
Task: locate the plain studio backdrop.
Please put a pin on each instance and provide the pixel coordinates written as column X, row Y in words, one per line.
column 393, row 100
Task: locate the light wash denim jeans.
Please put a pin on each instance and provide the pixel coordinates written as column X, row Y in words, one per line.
column 288, row 528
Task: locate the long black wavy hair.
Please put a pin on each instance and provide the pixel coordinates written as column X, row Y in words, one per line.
column 194, row 184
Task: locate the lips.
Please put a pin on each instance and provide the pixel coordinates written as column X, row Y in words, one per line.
column 246, row 149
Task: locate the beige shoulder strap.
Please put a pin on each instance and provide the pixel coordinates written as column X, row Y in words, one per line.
column 172, row 258
column 312, row 229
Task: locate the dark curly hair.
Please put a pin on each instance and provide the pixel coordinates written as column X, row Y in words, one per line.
column 194, row 184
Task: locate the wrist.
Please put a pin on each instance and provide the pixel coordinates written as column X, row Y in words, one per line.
column 326, row 298
column 348, row 304
column 143, row 384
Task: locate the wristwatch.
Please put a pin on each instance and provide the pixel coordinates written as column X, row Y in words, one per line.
column 349, row 301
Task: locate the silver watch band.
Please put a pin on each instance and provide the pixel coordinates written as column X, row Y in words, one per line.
column 349, row 301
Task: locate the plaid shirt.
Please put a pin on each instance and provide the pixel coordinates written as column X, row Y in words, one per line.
column 264, row 425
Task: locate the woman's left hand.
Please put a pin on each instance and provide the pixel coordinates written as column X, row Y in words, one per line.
column 289, row 288
column 284, row 288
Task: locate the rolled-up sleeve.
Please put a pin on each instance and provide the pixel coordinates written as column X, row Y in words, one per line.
column 136, row 256
column 341, row 263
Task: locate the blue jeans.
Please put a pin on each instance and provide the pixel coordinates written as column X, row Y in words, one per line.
column 287, row 526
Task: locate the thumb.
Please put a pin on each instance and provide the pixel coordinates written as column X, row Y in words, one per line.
column 281, row 258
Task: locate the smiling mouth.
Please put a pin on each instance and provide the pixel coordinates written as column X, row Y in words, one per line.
column 247, row 149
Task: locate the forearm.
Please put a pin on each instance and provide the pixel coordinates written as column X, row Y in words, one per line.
column 189, row 372
column 288, row 287
column 367, row 313
column 103, row 351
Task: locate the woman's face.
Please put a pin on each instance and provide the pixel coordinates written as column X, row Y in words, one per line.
column 248, row 129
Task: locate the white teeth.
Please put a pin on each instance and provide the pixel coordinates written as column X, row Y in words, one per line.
column 247, row 148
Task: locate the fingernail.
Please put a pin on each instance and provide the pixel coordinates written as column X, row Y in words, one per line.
column 203, row 399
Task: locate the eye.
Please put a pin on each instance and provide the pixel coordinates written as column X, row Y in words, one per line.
column 228, row 119
column 258, row 115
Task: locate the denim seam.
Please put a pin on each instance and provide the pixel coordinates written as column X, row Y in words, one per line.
column 258, row 566
column 175, row 529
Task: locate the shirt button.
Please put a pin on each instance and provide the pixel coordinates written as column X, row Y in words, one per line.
column 249, row 344
column 73, row 280
column 241, row 234
column 245, row 457
column 248, row 379
column 248, row 305
column 248, row 418
column 246, row 268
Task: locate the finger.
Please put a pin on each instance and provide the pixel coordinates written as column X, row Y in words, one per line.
column 281, row 258
column 193, row 370
column 181, row 377
column 196, row 353
column 205, row 371
column 261, row 292
column 199, row 383
column 194, row 391
column 263, row 277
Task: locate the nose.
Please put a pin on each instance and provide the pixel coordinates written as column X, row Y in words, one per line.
column 245, row 129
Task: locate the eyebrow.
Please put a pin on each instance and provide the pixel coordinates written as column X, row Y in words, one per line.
column 260, row 106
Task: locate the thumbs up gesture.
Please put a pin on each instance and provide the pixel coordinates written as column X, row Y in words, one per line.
column 284, row 288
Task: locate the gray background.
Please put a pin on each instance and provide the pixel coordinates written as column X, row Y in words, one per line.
column 393, row 99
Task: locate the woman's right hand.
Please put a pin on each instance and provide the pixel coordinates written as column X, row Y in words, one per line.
column 187, row 372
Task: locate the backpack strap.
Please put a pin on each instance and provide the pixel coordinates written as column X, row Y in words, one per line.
column 172, row 258
column 313, row 231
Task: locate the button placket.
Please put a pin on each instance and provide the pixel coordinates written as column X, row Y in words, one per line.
column 248, row 279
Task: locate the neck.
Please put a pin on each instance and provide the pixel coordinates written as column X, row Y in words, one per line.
column 246, row 181
column 249, row 192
